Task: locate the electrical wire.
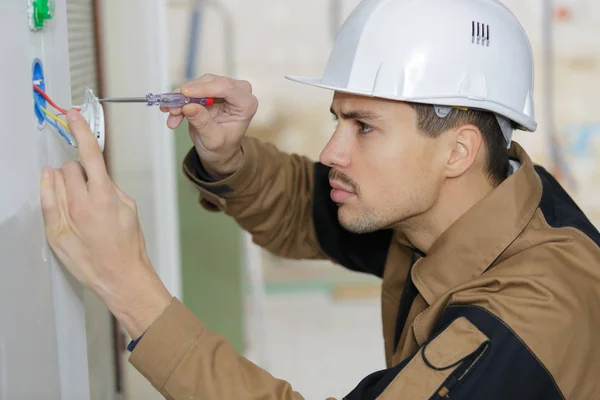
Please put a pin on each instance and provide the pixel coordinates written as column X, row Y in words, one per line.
column 54, row 117
column 45, row 113
column 49, row 100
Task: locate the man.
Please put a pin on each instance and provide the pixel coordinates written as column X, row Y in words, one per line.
column 491, row 274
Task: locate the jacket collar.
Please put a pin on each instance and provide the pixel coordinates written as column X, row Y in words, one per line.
column 472, row 243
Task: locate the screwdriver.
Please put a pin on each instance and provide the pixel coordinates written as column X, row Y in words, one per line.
column 163, row 99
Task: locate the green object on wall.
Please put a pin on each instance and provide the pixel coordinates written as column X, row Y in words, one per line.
column 211, row 258
column 43, row 10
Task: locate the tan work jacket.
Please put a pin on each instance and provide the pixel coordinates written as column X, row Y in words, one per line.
column 506, row 304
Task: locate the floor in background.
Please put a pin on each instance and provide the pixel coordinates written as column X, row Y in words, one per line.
column 322, row 346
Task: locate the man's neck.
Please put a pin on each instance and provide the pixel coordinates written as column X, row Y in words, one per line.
column 456, row 198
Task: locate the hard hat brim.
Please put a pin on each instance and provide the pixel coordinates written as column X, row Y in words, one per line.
column 528, row 124
column 319, row 83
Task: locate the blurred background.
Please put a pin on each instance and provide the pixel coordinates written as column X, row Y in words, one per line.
column 306, row 322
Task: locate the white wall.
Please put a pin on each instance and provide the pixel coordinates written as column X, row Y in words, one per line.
column 42, row 328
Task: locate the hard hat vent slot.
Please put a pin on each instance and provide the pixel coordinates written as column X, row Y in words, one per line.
column 480, row 34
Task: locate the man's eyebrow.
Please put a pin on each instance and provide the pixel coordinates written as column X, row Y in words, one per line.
column 357, row 114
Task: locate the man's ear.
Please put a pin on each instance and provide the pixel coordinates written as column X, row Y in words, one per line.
column 464, row 152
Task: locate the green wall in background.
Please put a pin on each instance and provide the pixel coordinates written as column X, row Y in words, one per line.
column 211, row 250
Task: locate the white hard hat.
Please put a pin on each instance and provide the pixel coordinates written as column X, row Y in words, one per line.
column 462, row 53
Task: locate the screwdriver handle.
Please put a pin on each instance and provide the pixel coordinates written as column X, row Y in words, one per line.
column 176, row 100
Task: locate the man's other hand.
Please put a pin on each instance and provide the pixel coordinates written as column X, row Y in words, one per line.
column 94, row 230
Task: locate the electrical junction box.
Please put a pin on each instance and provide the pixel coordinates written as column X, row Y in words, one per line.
column 91, row 109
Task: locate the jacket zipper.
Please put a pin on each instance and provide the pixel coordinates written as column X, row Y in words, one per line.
column 458, row 375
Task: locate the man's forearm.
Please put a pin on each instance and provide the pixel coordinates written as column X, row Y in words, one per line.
column 136, row 302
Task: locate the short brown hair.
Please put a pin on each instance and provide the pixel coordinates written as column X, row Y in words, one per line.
column 431, row 125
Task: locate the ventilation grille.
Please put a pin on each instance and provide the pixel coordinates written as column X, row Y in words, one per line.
column 480, row 34
column 82, row 48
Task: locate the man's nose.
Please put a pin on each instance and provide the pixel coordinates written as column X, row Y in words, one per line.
column 337, row 151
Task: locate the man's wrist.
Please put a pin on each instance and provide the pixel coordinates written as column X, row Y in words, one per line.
column 226, row 169
column 138, row 304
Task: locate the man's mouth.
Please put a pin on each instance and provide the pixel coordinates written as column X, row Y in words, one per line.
column 340, row 193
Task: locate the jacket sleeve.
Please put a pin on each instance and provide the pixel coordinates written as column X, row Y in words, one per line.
column 283, row 201
column 183, row 360
column 473, row 356
column 270, row 197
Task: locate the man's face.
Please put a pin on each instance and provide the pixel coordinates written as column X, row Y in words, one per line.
column 383, row 171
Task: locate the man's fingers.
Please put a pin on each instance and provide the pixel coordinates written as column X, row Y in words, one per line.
column 208, row 77
column 198, row 116
column 60, row 188
column 124, row 198
column 171, row 110
column 75, row 184
column 89, row 150
column 221, row 88
column 174, row 121
column 50, row 209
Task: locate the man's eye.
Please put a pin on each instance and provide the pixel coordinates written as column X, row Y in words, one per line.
column 364, row 128
column 336, row 121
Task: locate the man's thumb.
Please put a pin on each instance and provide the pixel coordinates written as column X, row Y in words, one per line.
column 198, row 116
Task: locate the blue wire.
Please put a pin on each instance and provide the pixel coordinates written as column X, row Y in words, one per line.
column 59, row 129
column 54, row 124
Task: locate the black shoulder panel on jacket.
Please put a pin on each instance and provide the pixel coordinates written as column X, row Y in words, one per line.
column 510, row 370
column 505, row 368
column 560, row 210
column 358, row 252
